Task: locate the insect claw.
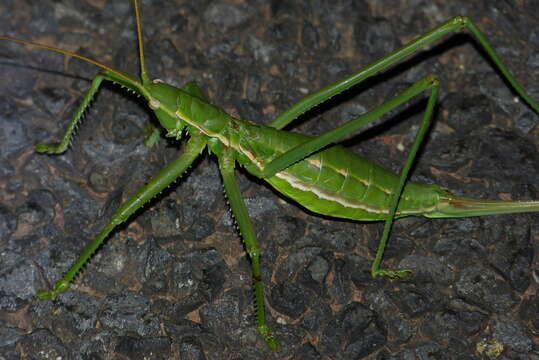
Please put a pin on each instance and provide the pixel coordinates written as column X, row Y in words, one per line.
column 46, row 294
column 272, row 342
column 402, row 273
column 60, row 286
column 49, row 148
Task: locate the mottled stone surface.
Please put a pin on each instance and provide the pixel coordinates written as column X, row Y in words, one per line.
column 174, row 282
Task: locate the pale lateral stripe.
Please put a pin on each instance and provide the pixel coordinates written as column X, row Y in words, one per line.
column 314, row 162
column 300, row 185
column 295, row 183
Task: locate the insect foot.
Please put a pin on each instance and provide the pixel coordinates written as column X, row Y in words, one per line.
column 402, row 273
column 60, row 287
column 49, row 148
column 273, row 343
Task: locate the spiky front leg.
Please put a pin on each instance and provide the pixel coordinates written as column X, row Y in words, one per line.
column 57, row 148
column 156, row 184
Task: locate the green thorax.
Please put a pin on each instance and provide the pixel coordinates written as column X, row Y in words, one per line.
column 178, row 110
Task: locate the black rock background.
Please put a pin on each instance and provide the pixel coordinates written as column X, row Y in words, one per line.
column 174, row 282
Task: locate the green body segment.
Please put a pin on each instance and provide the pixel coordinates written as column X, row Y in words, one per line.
column 335, row 181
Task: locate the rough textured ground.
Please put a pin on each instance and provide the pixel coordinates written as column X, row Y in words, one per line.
column 174, row 282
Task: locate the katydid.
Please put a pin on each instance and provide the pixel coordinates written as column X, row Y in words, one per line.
column 324, row 178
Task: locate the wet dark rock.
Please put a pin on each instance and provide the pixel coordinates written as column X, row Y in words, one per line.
column 512, row 254
column 483, row 287
column 470, row 322
column 190, row 348
column 527, row 122
column 261, row 50
column 8, row 338
column 7, row 171
column 467, row 113
column 13, row 136
column 318, row 314
column 100, row 178
column 286, row 230
column 125, row 129
column 313, row 275
column 226, row 15
column 376, row 36
column 179, row 257
column 338, row 239
column 414, row 300
column 38, row 209
column 339, row 288
column 81, row 313
column 253, row 88
column 289, row 299
column 194, row 336
column 500, row 93
column 226, row 315
column 528, row 310
column 297, row 261
column 19, row 280
column 52, row 99
column 318, row 269
column 8, row 223
column 248, row 110
column 428, row 269
column 511, row 333
column 143, row 348
column 441, row 327
column 400, row 330
column 432, row 351
column 352, row 333
column 200, row 271
column 43, row 342
column 398, row 246
column 307, row 352
column 309, row 37
column 128, row 312
column 165, row 220
column 358, row 269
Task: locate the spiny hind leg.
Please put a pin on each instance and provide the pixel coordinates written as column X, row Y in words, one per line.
column 376, row 270
column 239, row 210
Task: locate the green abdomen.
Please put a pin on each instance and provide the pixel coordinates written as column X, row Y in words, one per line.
column 337, row 182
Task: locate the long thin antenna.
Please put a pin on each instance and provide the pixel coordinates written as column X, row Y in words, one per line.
column 143, row 73
column 69, row 53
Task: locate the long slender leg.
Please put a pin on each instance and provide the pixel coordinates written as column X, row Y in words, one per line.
column 453, row 24
column 77, row 116
column 157, row 183
column 191, row 87
column 395, row 196
column 325, row 93
column 426, row 83
column 303, row 150
column 232, row 189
